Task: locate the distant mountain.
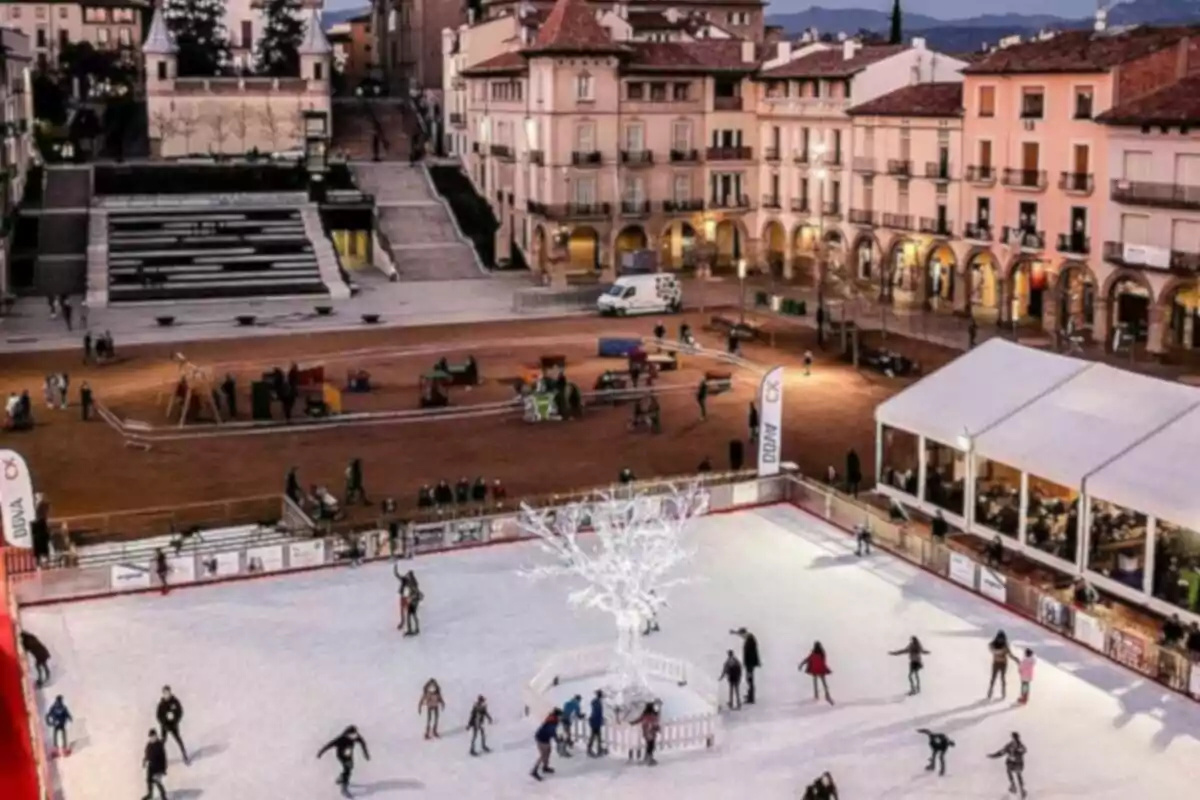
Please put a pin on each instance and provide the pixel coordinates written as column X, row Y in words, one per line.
column 331, row 18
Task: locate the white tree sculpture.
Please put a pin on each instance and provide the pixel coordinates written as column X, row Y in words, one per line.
column 625, row 546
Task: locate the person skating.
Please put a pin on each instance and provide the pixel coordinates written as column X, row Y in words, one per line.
column 544, row 736
column 595, row 743
column 731, row 673
column 1025, row 667
column 660, row 333
column 343, row 747
column 169, row 715
column 476, row 724
column 154, row 761
column 862, row 539
column 1000, row 657
column 162, row 569
column 753, row 422
column 87, row 348
column 57, row 719
column 86, row 401
column 939, row 743
column 40, row 654
column 808, row 362
column 412, row 618
column 823, row 788
column 431, row 704
column 1013, row 754
column 750, row 660
column 404, row 592
column 853, row 472
column 650, row 722
column 816, row 665
column 914, row 651
column 652, row 620
column 702, row 398
column 571, row 711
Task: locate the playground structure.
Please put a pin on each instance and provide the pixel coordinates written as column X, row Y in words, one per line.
column 192, row 389
column 433, row 387
column 464, row 374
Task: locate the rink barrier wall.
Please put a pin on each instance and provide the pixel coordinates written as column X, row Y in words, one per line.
column 1050, row 610
column 24, row 771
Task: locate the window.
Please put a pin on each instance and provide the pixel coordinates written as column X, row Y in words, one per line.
column 102, row 36
column 983, row 211
column 14, row 12
column 584, row 189
column 247, row 33
column 41, row 37
column 585, row 137
column 635, row 91
column 585, row 88
column 635, row 137
column 985, row 153
column 40, row 12
column 681, row 136
column 681, row 188
column 64, row 37
column 680, row 92
column 62, row 12
column 1033, row 104
column 95, row 15
column 1083, row 102
column 658, row 93
column 318, row 71
column 162, row 70
column 123, row 15
column 987, row 101
column 124, row 37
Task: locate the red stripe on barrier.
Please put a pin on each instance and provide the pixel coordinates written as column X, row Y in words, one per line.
column 18, row 765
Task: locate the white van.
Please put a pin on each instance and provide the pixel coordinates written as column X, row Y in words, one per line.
column 652, row 293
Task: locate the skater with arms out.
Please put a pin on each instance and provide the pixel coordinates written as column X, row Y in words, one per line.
column 476, row 724
column 914, row 651
column 343, row 747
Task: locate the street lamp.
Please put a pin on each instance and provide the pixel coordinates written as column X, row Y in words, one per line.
column 741, row 268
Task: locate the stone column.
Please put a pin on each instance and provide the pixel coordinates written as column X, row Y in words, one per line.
column 1155, row 336
column 960, row 299
column 1102, row 324
column 1189, row 324
column 1050, row 303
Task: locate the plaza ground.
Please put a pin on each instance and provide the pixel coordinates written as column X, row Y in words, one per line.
column 85, row 469
column 269, row 670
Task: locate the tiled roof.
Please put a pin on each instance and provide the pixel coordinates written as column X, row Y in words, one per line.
column 832, row 63
column 315, row 42
column 1177, row 104
column 1079, row 51
column 918, row 100
column 653, row 21
column 710, row 55
column 159, row 40
column 505, row 63
column 572, row 27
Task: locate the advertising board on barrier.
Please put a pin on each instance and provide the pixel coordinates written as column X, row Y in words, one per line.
column 1089, row 631
column 220, row 565
column 1053, row 613
column 306, row 554
column 993, row 585
column 505, row 528
column 181, row 569
column 130, row 576
column 745, row 494
column 16, row 500
column 1194, row 684
column 962, row 569
column 1127, row 650
column 264, row 559
column 468, row 531
column 428, row 537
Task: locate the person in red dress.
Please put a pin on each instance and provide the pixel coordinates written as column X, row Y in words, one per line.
column 817, row 665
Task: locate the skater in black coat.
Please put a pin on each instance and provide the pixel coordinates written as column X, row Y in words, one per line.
column 154, row 761
column 1001, row 655
column 823, row 788
column 169, row 715
column 40, row 654
column 343, row 747
column 731, row 673
column 750, row 660
column 476, row 722
column 939, row 743
column 1013, row 754
column 914, row 651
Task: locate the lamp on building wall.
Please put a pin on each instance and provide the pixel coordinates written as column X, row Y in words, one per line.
column 741, row 273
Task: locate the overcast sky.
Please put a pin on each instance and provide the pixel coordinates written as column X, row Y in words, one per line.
column 944, row 9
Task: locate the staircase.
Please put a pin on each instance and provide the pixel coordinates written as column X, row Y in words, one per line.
column 356, row 123
column 423, row 238
column 63, row 231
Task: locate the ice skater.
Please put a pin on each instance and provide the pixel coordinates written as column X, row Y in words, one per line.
column 731, row 673
column 652, row 620
column 431, row 704
column 169, row 715
column 1000, row 657
column 57, row 720
column 862, row 540
column 750, row 660
column 412, row 604
column 154, row 762
column 1013, row 754
column 571, row 711
column 343, row 747
column 546, row 733
column 40, row 654
column 1025, row 670
column 914, row 651
column 162, row 569
column 939, row 743
column 595, row 743
column 823, row 788
column 650, row 722
column 407, row 582
column 476, row 724
column 817, row 665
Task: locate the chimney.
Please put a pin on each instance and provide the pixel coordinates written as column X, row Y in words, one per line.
column 748, row 52
column 849, row 49
column 1101, row 24
column 918, row 43
column 783, row 50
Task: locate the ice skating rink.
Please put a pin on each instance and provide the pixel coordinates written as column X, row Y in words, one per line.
column 268, row 670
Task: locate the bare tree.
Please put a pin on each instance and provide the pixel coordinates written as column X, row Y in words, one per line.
column 163, row 126
column 273, row 123
column 188, row 123
column 240, row 124
column 221, row 127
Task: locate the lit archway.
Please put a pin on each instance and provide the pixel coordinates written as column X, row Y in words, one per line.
column 677, row 246
column 631, row 239
column 583, row 249
column 1129, row 297
column 774, row 247
column 804, row 253
column 1076, row 293
column 983, row 296
column 731, row 240
column 1027, row 282
column 865, row 256
column 1181, row 313
column 899, row 278
column 539, row 257
column 940, row 268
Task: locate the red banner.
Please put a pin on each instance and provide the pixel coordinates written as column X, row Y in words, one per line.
column 18, row 766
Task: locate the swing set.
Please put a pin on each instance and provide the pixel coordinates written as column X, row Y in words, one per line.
column 192, row 390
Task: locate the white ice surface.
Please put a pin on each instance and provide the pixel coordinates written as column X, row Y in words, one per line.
column 268, row 670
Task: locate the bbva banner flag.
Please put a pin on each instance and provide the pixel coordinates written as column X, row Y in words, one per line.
column 16, row 500
column 770, row 423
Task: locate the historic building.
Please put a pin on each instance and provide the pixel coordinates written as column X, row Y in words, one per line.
column 49, row 25
column 16, row 128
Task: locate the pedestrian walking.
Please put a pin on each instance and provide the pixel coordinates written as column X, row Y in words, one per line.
column 751, row 660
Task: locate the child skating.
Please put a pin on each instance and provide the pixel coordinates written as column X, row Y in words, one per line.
column 57, row 719
column 431, row 704
column 1025, row 667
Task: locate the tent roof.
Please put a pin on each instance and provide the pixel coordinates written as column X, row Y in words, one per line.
column 976, row 390
column 1154, row 477
column 1074, row 430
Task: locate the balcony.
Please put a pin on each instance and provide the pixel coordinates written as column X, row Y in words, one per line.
column 1024, row 238
column 477, row 148
column 800, row 205
column 984, row 174
column 727, row 104
column 729, row 153
column 502, row 151
column 771, row 201
column 937, row 170
column 458, row 119
column 899, row 167
column 932, row 226
column 685, row 156
column 1074, row 244
column 586, row 158
column 683, row 206
column 637, row 158
column 1032, row 179
column 1076, row 183
column 1139, row 256
column 900, row 222
column 800, row 156
column 1162, row 195
column 537, row 157
column 731, row 202
column 635, row 208
column 771, row 154
column 567, row 211
column 833, row 160
column 864, row 165
column 977, row 232
column 831, row 209
column 862, row 216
